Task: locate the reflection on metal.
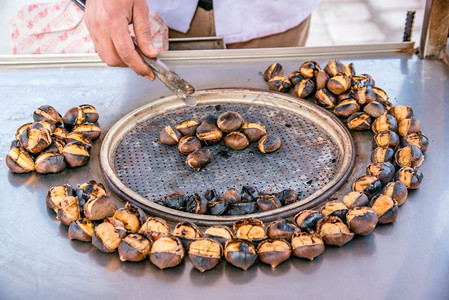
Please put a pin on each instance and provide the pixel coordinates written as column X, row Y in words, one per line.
column 435, row 30
column 200, row 43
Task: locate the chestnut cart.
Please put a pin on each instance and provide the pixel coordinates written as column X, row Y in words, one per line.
column 408, row 259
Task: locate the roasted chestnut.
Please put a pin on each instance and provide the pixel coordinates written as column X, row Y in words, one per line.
column 411, row 178
column 385, row 208
column 81, row 230
column 307, row 219
column 236, row 140
column 381, row 96
column 273, row 70
column 287, row 196
column 307, row 245
column 92, row 131
column 370, row 185
column 309, row 69
column 325, row 98
column 199, row 158
column 166, row 252
column 18, row 160
column 359, row 121
column 196, row 204
column 56, row 194
column 90, row 113
column 274, row 251
column 107, row 236
column 48, row 113
column 250, row 229
column 335, row 208
column 188, row 127
column 409, row 156
column 334, row 231
column 401, row 112
column 187, row 232
column 384, row 123
column 208, row 131
column 60, row 133
column 338, row 84
column 269, row 143
column 382, row 154
column 176, row 200
column 134, row 247
column 408, row 126
column 281, row 229
column 336, row 67
column 364, row 95
column 253, row 131
column 267, row 202
column 346, row 108
column 221, row 234
column 383, row 170
column 418, row 139
column 230, row 121
column 217, row 207
column 363, row 80
column 99, row 208
column 362, row 220
column 80, row 138
column 232, row 195
column 170, row 136
column 76, row 154
column 321, row 79
column 68, row 210
column 304, row 88
column 279, row 84
column 386, row 139
column 397, row 191
column 74, row 116
column 249, row 193
column 90, row 189
column 129, row 217
column 242, row 208
column 295, row 77
column 20, row 130
column 56, row 146
column 375, row 109
column 49, row 162
column 35, row 138
column 48, row 125
column 240, row 253
column 205, row 254
column 154, row 228
column 189, row 144
column 355, row 199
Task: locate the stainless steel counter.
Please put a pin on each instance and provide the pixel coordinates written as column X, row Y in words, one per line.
column 405, row 260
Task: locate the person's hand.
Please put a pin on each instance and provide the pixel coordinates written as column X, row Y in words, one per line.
column 107, row 22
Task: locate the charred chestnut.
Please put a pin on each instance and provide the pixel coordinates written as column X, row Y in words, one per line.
column 279, row 84
column 304, row 88
column 383, row 170
column 49, row 162
column 186, row 232
column 90, row 113
column 170, row 136
column 208, row 131
column 401, row 112
column 281, row 229
column 249, row 193
column 273, row 252
column 335, row 67
column 418, row 139
column 81, row 230
column 269, row 143
column 273, row 70
column 74, row 116
column 381, row 96
column 334, row 231
column 268, row 202
column 364, row 95
column 107, row 236
column 336, row 209
column 321, row 79
column 384, row 123
column 57, row 194
column 230, row 121
column 199, row 158
column 76, row 154
column 346, row 108
column 369, row 185
column 287, row 196
column 295, row 77
column 307, row 219
column 188, row 127
column 359, row 121
column 309, row 69
column 189, row 144
column 339, row 84
column 232, row 195
column 154, row 228
column 176, row 200
column 80, row 138
column 240, row 253
column 250, row 229
column 18, row 160
column 21, row 129
column 134, row 247
column 409, row 156
column 363, row 80
column 242, row 208
column 253, row 131
column 386, row 139
column 355, row 199
column 99, row 208
column 325, row 98
column 35, row 138
column 92, row 131
column 90, row 189
column 382, row 154
column 196, row 204
column 236, row 140
column 221, row 234
column 166, row 252
column 411, row 178
column 48, row 113
column 385, row 208
column 375, row 109
column 60, row 133
column 408, row 126
column 205, row 254
column 307, row 245
column 217, row 207
column 68, row 210
column 397, row 191
column 56, row 146
column 362, row 220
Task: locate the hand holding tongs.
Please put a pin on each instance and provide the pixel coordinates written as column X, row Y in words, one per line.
column 172, row 81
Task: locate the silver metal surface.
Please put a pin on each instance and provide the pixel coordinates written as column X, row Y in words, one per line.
column 405, row 260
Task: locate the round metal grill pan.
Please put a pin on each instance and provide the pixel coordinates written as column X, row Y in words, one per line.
column 316, row 156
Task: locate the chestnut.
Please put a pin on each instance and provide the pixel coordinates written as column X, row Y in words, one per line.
column 335, row 208
column 304, row 88
column 409, row 156
column 273, row 70
column 250, row 229
column 325, row 98
column 383, row 170
column 232, row 195
column 166, row 252
column 253, row 131
column 249, row 193
column 336, row 67
column 375, row 109
column 90, row 113
column 240, row 253
column 386, row 139
column 76, row 154
column 48, row 125
column 267, row 202
column 236, row 140
column 381, row 96
column 269, row 143
column 346, row 108
column 208, row 131
column 21, row 129
column 279, row 84
column 217, row 207
column 210, row 195
column 205, row 253
column 370, row 185
column 221, row 234
column 274, row 251
column 362, row 220
column 230, row 121
column 154, row 228
column 18, row 160
column 99, row 208
column 382, row 154
column 411, row 178
column 385, row 208
column 90, row 189
column 81, row 230
column 49, row 162
column 363, row 80
column 189, row 144
column 338, row 84
column 48, row 113
column 401, row 112
column 242, row 208
column 295, row 77
column 418, row 139
column 169, row 136
column 364, row 95
column 56, row 146
column 134, row 247
column 68, row 210
column 107, row 236
column 188, row 127
column 321, row 79
column 408, row 126
column 397, row 191
column 355, row 199
column 91, row 131
column 199, row 158
column 309, row 69
column 74, row 116
column 35, row 138
column 384, row 123
column 186, row 232
column 307, row 219
column 176, row 200
column 196, row 204
column 307, row 245
column 129, row 219
column 287, row 196
column 56, row 194
column 281, row 229
column 80, row 138
column 359, row 121
column 334, row 231
column 60, row 133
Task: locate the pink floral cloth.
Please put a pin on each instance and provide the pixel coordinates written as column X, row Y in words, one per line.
column 59, row 27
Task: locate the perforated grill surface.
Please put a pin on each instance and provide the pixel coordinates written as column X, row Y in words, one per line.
column 307, row 160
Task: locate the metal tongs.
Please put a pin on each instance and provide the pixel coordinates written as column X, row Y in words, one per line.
column 178, row 85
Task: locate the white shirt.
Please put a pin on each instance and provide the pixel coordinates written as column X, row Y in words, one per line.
column 238, row 20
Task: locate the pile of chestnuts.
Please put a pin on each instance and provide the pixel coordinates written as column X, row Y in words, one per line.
column 232, row 202
column 192, row 135
column 52, row 142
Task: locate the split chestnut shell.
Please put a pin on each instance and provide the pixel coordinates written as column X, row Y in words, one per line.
column 240, row 253
column 307, row 245
column 81, row 230
column 307, row 219
column 362, row 220
column 167, row 252
column 274, row 251
column 205, row 253
column 385, row 208
column 154, row 228
column 134, row 247
column 334, row 231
